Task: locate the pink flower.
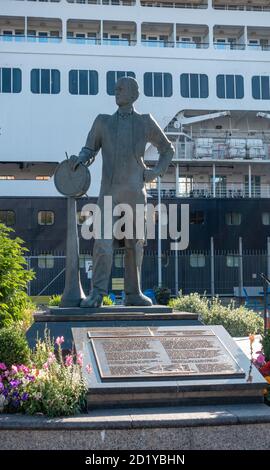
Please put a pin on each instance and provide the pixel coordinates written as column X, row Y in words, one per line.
column 14, row 369
column 59, row 340
column 69, row 360
column 88, row 369
column 46, row 366
column 3, row 366
column 260, row 359
column 80, row 359
column 23, row 369
column 51, row 358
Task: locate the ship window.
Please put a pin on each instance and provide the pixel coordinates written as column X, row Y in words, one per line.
column 83, row 82
column 233, row 218
column 266, row 218
column 46, row 218
column 10, row 80
column 197, row 261
column 119, row 260
column 230, row 86
column 84, row 216
column 157, row 84
column 45, row 81
column 46, row 262
column 197, row 217
column 194, row 85
column 113, row 76
column 232, row 261
column 261, row 87
column 8, row 218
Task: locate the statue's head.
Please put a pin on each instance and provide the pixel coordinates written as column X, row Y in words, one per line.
column 126, row 91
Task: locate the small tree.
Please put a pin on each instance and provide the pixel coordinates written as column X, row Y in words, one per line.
column 13, row 278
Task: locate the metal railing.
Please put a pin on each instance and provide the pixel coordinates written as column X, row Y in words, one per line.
column 105, row 2
column 242, row 7
column 227, row 191
column 29, row 38
column 211, row 273
column 150, row 3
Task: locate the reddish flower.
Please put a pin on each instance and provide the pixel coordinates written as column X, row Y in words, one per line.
column 265, row 370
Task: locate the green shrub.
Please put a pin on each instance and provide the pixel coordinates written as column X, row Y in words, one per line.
column 14, row 278
column 237, row 321
column 54, row 300
column 107, row 300
column 193, row 303
column 14, row 348
column 266, row 345
column 162, row 295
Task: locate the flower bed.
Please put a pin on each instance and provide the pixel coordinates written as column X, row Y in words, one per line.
column 52, row 384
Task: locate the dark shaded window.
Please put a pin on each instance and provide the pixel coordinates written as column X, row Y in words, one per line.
column 46, row 262
column 260, row 87
column 45, row 81
column 193, row 85
column 83, row 82
column 46, row 218
column 197, row 261
column 8, row 218
column 197, row 217
column 158, row 84
column 233, row 218
column 232, row 261
column 113, row 76
column 10, row 80
column 230, row 86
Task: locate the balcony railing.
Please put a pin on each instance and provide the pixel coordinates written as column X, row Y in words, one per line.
column 243, row 7
column 125, row 3
column 230, row 46
column 173, row 5
column 228, row 191
column 104, row 41
column 29, row 38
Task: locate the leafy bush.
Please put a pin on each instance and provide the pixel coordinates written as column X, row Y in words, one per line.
column 54, row 300
column 14, row 348
column 192, row 303
column 162, row 295
column 14, row 300
column 266, row 345
column 237, row 321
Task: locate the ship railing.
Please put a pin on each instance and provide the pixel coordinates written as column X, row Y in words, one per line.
column 173, row 5
column 230, row 46
column 104, row 41
column 259, row 47
column 105, row 2
column 192, row 45
column 29, row 38
column 227, row 191
column 242, row 7
column 164, row 193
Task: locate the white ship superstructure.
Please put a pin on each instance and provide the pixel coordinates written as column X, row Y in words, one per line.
column 204, row 73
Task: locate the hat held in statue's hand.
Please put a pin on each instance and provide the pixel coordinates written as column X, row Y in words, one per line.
column 72, row 183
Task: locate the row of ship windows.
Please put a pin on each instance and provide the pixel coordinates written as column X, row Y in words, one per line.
column 8, row 218
column 46, row 261
column 156, row 84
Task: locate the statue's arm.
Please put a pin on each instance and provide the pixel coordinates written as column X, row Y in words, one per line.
column 164, row 147
column 93, row 144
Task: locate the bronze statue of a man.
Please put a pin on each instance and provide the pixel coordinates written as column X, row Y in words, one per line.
column 122, row 137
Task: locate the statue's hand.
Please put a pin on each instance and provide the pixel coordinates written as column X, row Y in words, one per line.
column 149, row 175
column 74, row 162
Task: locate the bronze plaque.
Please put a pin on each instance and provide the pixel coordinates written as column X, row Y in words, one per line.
column 151, row 353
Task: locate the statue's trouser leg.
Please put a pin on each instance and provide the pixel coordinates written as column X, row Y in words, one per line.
column 133, row 264
column 102, row 265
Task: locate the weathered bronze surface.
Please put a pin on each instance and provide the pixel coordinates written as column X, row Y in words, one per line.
column 138, row 353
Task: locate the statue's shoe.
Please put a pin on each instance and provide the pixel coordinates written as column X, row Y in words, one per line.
column 92, row 301
column 137, row 300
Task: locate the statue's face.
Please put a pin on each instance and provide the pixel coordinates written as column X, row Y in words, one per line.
column 123, row 94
